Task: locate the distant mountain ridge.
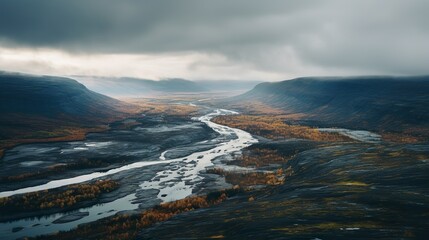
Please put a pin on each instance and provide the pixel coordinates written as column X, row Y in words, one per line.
column 375, row 103
column 136, row 87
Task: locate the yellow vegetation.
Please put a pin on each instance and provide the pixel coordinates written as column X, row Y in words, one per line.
column 274, row 127
column 259, row 157
column 251, row 178
column 127, row 226
column 255, row 107
column 400, row 138
column 149, row 106
column 53, row 199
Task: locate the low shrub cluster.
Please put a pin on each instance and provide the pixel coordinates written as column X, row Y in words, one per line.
column 47, row 199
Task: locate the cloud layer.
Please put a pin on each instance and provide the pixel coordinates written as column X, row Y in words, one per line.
column 222, row 39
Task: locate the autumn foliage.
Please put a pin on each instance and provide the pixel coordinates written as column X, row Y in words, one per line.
column 128, row 226
column 157, row 107
column 250, row 178
column 259, row 157
column 255, row 158
column 274, row 127
column 47, row 199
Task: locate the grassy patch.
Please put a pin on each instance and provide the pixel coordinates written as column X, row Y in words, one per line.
column 274, row 127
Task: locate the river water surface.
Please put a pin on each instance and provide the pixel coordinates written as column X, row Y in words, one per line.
column 177, row 180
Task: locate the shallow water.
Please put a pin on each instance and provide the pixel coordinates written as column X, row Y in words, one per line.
column 110, row 149
column 45, row 225
column 178, row 179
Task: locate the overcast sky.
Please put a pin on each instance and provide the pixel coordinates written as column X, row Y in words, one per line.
column 216, row 39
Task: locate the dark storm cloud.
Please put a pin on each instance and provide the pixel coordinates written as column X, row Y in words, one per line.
column 129, row 26
column 369, row 36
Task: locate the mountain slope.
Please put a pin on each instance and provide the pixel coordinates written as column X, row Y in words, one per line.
column 34, row 107
column 375, row 103
column 228, row 85
column 134, row 87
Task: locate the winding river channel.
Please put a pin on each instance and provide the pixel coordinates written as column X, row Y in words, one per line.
column 177, row 179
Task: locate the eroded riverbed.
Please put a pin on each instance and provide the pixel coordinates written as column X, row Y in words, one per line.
column 173, row 174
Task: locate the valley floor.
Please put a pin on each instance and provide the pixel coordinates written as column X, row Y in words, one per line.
column 295, row 182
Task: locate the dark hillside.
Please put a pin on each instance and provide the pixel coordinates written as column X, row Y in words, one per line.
column 41, row 107
column 376, row 103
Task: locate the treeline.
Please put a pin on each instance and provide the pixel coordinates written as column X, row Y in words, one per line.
column 259, row 157
column 274, row 127
column 251, row 178
column 256, row 157
column 48, row 199
column 128, row 226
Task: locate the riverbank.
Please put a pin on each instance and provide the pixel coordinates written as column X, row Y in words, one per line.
column 125, row 226
column 52, row 201
column 148, row 182
column 285, row 187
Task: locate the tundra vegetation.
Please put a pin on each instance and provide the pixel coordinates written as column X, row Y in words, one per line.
column 65, row 198
column 128, row 226
column 274, row 127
